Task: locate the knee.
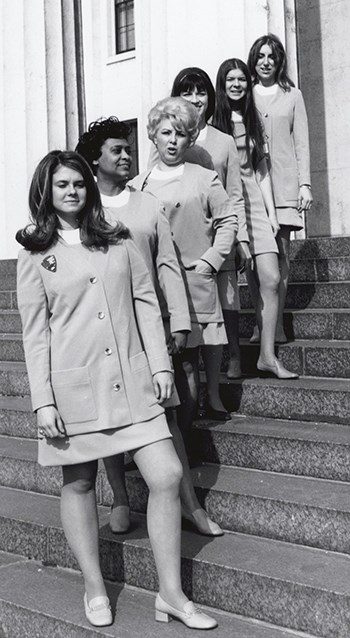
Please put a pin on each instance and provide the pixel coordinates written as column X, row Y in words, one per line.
column 270, row 284
column 79, row 486
column 169, row 479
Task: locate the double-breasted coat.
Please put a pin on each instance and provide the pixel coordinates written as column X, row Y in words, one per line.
column 93, row 335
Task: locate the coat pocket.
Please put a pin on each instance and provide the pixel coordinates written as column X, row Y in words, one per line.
column 73, row 395
column 202, row 292
column 142, row 376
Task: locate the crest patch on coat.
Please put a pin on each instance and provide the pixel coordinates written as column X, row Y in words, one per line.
column 50, row 263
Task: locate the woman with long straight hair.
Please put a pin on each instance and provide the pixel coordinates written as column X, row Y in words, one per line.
column 283, row 114
column 235, row 113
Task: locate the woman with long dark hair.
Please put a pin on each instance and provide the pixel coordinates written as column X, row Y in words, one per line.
column 235, row 113
column 282, row 110
column 98, row 370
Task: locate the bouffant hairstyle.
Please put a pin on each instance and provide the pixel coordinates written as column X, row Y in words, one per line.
column 195, row 78
column 42, row 232
column 279, row 56
column 222, row 115
column 181, row 113
column 91, row 142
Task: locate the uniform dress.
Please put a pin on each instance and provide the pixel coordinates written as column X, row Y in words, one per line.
column 284, row 118
column 93, row 338
column 203, row 223
column 260, row 232
column 217, row 151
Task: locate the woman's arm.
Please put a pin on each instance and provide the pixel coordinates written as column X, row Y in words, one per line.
column 300, row 135
column 224, row 223
column 264, row 181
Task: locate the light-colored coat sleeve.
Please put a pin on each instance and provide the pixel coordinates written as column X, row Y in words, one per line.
column 235, row 191
column 147, row 312
column 301, row 140
column 33, row 308
column 170, row 279
column 224, row 224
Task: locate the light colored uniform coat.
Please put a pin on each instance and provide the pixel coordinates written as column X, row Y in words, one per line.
column 146, row 220
column 285, row 122
column 93, row 334
column 203, row 224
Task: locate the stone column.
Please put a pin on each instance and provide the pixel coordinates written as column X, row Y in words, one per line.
column 324, row 71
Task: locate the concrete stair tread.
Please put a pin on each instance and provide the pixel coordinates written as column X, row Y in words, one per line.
column 11, row 336
column 13, row 366
column 20, row 404
column 313, row 492
column 312, row 383
column 48, row 595
column 301, row 490
column 279, row 428
column 327, row 571
column 304, row 343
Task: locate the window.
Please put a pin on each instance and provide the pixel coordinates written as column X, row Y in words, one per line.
column 134, row 147
column 124, row 25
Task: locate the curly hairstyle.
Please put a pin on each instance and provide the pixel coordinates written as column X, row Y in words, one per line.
column 182, row 114
column 195, row 78
column 42, row 231
column 222, row 114
column 91, row 142
column 279, row 56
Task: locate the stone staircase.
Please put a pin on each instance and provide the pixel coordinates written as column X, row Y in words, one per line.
column 276, row 477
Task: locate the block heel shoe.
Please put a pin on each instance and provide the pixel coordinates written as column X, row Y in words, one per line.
column 98, row 611
column 191, row 616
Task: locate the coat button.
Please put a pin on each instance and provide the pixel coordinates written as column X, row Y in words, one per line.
column 266, row 115
column 116, row 387
column 101, row 315
column 108, row 351
column 93, row 280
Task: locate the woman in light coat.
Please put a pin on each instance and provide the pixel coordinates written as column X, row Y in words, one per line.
column 203, row 223
column 282, row 110
column 98, row 371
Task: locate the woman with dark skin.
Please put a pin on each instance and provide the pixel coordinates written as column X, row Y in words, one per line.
column 282, row 110
column 98, row 371
column 235, row 112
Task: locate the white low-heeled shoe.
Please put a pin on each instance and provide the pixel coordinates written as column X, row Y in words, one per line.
column 98, row 611
column 191, row 616
column 203, row 523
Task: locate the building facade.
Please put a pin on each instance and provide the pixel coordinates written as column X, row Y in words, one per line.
column 65, row 63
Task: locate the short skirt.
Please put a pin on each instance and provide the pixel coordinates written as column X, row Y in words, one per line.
column 207, row 334
column 228, row 290
column 290, row 217
column 82, row 448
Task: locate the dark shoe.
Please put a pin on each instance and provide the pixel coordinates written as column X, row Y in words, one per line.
column 190, row 615
column 277, row 370
column 216, row 415
column 203, row 524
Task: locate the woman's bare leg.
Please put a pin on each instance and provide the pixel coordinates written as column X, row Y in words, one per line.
column 120, row 513
column 80, row 523
column 283, row 243
column 186, row 368
column 212, row 357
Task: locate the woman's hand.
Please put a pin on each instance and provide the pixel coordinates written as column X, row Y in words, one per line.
column 163, row 385
column 305, row 198
column 176, row 342
column 244, row 256
column 49, row 423
column 201, row 266
column 274, row 224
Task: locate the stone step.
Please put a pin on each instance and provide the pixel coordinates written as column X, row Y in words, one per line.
column 8, row 300
column 322, row 358
column 320, row 248
column 309, row 295
column 48, row 601
column 11, row 347
column 309, row 323
column 293, row 586
column 306, row 399
column 312, row 270
column 319, row 450
column 16, row 417
column 295, row 509
column 10, row 322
